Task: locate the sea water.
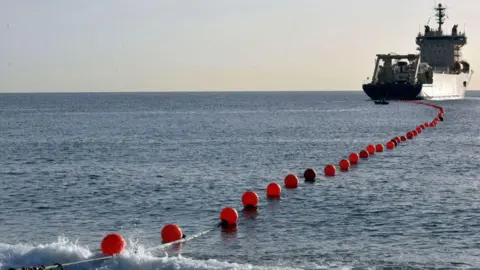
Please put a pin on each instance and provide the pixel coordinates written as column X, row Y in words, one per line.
column 76, row 167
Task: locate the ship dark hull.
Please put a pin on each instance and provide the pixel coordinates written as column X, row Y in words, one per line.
column 393, row 91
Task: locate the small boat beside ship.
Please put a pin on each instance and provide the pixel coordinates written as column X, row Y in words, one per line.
column 436, row 72
column 382, row 102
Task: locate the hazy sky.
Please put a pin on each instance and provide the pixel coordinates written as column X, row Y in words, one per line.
column 147, row 45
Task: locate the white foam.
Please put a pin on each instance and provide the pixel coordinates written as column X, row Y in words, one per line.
column 135, row 257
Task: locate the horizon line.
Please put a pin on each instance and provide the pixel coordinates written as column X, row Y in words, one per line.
column 177, row 91
column 171, row 91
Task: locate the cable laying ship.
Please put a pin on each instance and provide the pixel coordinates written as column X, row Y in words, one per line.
column 437, row 72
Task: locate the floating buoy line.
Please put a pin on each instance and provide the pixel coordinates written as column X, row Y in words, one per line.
column 114, row 244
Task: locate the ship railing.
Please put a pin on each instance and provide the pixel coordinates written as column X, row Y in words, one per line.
column 442, row 69
column 440, row 34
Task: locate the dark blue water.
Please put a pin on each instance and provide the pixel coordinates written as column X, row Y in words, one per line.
column 75, row 167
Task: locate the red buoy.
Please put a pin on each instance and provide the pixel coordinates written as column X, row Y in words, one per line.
column 330, row 170
column 370, row 149
column 291, row 181
column 397, row 139
column 170, row 233
column 415, row 133
column 354, row 158
column 379, row 147
column 274, row 190
column 409, row 135
column 310, row 174
column 426, row 124
column 394, row 142
column 390, row 145
column 112, row 244
column 229, row 215
column 419, row 130
column 403, row 138
column 344, row 164
column 250, row 199
column 364, row 154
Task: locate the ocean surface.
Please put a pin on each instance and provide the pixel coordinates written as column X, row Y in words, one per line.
column 76, row 167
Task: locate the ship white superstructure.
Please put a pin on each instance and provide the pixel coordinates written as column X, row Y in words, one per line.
column 451, row 74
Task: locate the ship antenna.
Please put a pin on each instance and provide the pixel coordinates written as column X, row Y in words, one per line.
column 440, row 16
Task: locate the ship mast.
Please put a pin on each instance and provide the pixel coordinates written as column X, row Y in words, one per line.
column 440, row 16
